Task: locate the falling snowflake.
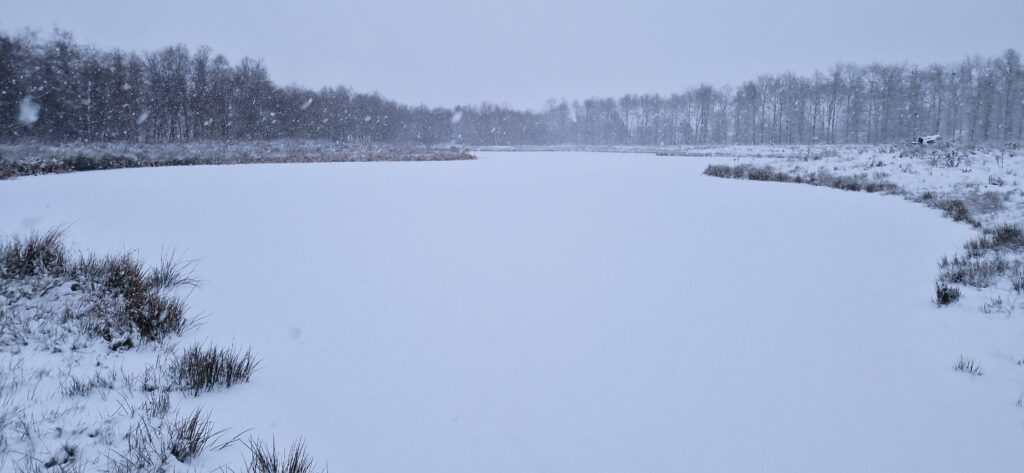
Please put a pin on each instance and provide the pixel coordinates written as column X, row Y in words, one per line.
column 28, row 111
column 307, row 104
column 457, row 117
column 142, row 117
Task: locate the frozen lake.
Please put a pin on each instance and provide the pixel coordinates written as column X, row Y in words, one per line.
column 559, row 312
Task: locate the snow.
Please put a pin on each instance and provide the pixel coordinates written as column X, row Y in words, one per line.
column 967, row 173
column 559, row 312
column 28, row 111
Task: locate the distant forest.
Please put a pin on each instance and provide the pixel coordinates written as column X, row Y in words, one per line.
column 57, row 90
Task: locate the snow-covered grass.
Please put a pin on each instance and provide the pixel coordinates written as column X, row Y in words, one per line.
column 562, row 312
column 83, row 342
column 980, row 185
column 27, row 159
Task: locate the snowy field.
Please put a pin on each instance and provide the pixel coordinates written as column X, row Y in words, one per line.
column 566, row 312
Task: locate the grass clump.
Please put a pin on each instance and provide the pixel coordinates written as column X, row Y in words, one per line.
column 67, row 454
column 973, row 272
column 152, row 442
column 122, row 299
column 1005, row 236
column 190, row 436
column 946, row 294
column 1008, row 237
column 969, row 366
column 747, row 171
column 200, row 369
column 1017, row 280
column 143, row 302
column 855, row 183
column 266, row 459
column 38, row 254
column 77, row 387
column 955, row 209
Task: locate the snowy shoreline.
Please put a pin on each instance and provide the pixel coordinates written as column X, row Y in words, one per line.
column 399, row 307
column 30, row 159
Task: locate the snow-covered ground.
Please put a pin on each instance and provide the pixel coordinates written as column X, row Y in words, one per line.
column 558, row 312
column 990, row 179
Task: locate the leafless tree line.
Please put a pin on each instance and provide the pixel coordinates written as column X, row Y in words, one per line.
column 977, row 100
column 57, row 90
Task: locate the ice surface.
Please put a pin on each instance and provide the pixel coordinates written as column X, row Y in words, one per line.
column 556, row 312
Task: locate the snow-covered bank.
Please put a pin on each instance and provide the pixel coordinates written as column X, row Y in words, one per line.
column 567, row 312
column 31, row 159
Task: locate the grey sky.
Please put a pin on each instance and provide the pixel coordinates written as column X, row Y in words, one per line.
column 520, row 53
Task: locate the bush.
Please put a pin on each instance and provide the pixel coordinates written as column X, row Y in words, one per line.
column 945, row 294
column 765, row 173
column 268, row 460
column 200, row 369
column 721, row 170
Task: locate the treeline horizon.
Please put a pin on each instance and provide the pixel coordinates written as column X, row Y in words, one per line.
column 56, row 90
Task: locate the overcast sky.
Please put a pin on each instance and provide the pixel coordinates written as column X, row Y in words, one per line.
column 523, row 52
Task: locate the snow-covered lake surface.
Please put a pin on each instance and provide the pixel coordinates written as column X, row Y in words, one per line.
column 564, row 312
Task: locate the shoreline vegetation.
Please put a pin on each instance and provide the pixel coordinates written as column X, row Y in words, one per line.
column 32, row 159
